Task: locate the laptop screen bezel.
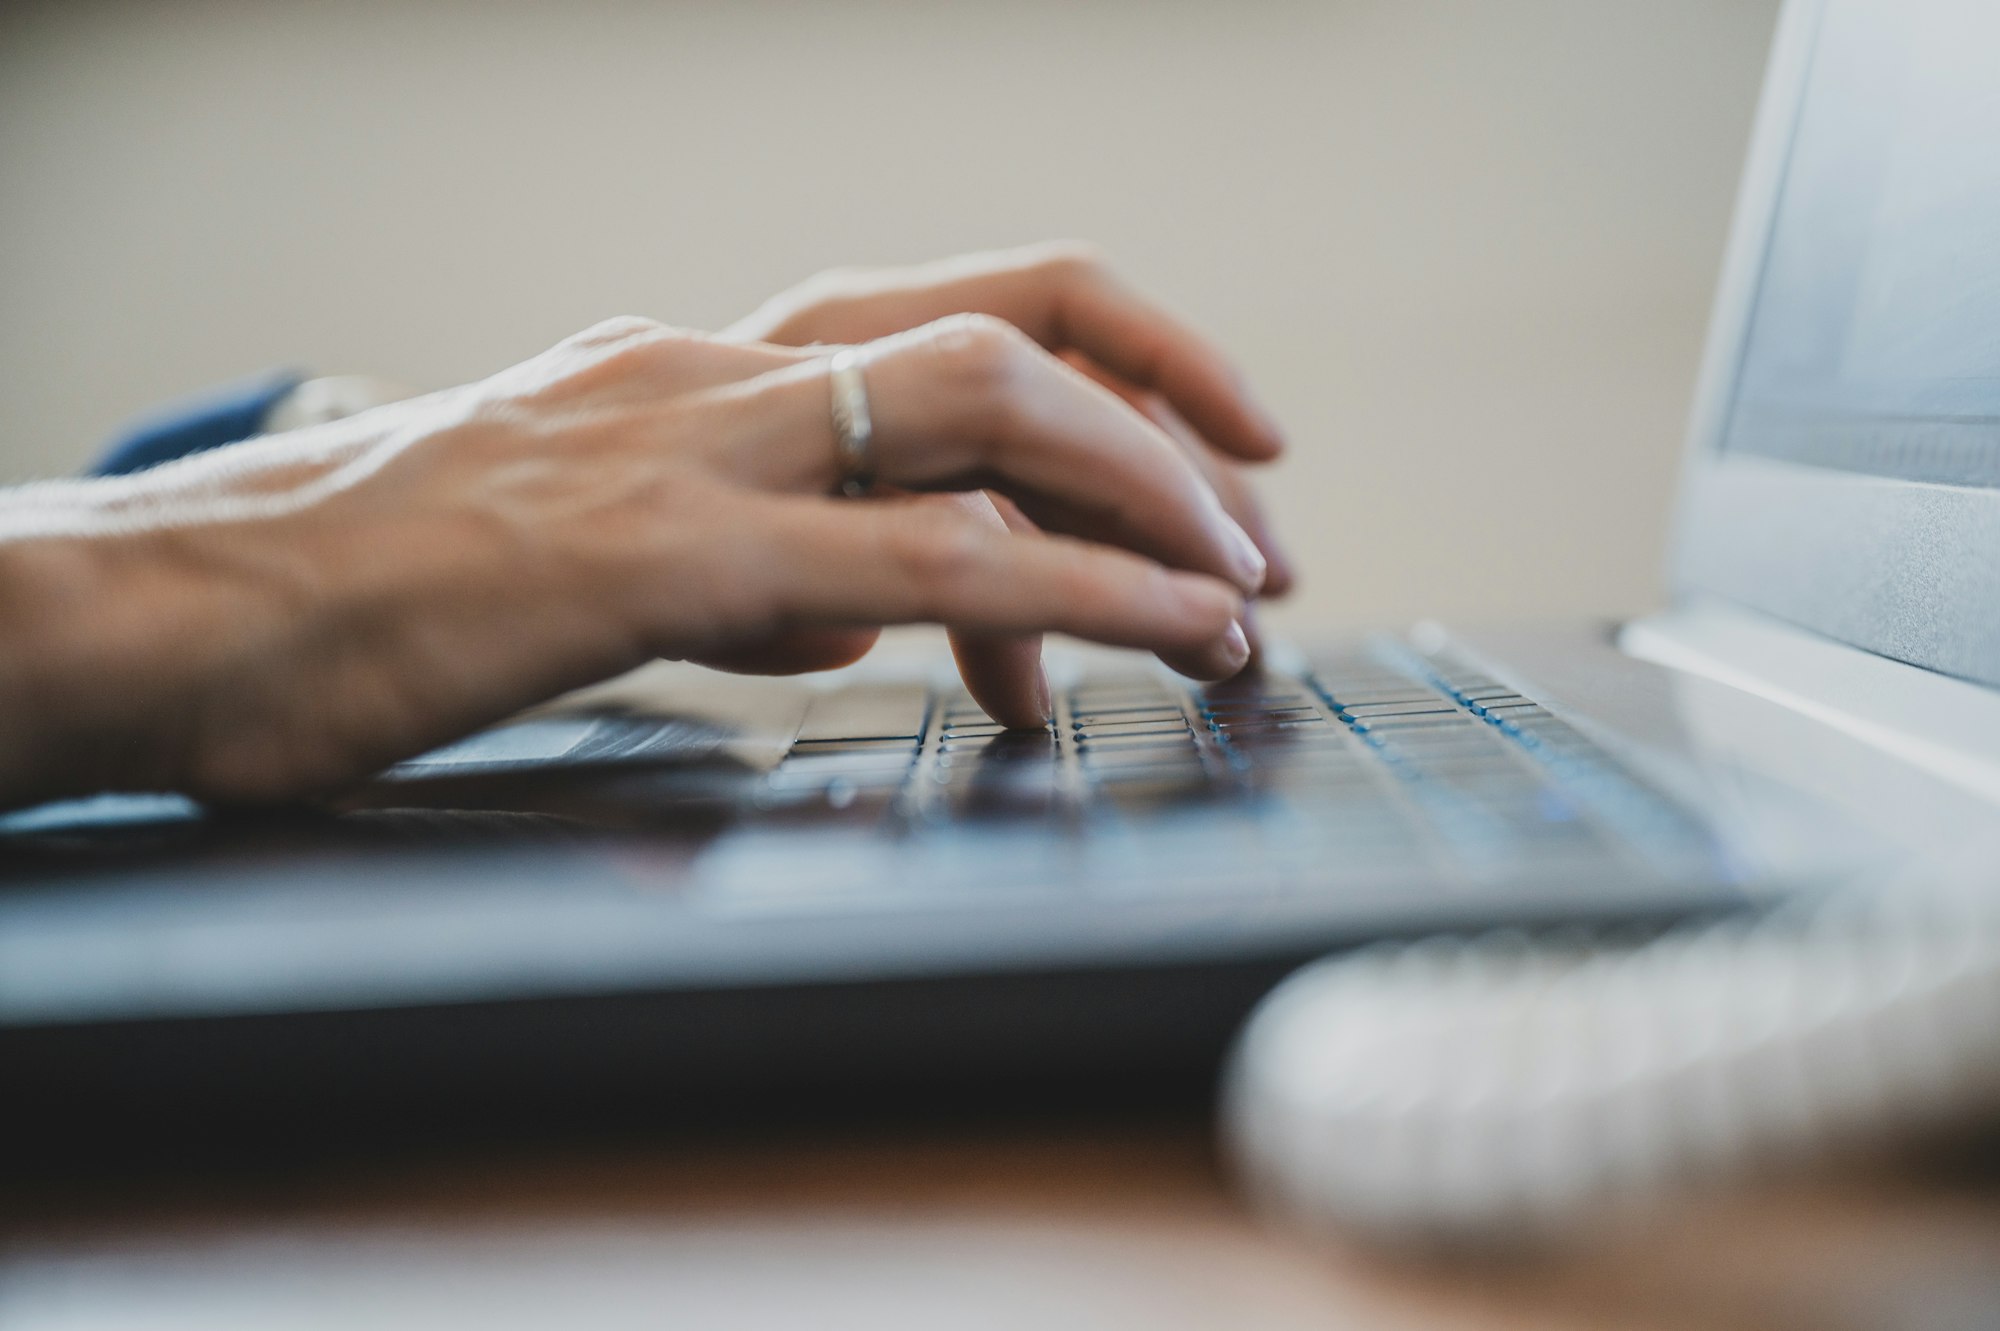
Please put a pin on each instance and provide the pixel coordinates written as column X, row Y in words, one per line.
column 1905, row 569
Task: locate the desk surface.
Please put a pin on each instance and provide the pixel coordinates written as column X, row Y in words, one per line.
column 1081, row 1228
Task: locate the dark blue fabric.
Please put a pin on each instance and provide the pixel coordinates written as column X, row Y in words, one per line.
column 208, row 420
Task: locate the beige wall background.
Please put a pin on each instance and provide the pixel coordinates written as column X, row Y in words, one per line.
column 1465, row 248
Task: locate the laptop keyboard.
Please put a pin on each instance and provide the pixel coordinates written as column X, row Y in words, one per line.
column 1379, row 756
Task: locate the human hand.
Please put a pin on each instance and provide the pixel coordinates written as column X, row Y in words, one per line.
column 286, row 616
column 1064, row 296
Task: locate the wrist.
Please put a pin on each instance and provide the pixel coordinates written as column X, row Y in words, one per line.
column 45, row 664
column 104, row 631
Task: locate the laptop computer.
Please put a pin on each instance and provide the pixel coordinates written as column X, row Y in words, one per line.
column 680, row 891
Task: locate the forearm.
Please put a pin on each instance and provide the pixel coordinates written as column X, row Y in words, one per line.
column 118, row 610
column 243, row 627
column 88, row 637
column 144, row 630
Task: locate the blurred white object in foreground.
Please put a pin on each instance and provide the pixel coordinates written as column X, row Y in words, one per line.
column 1506, row 1088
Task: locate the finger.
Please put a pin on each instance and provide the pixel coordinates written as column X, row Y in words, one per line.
column 1225, row 477
column 916, row 561
column 1187, row 662
column 1002, row 671
column 798, row 652
column 1253, row 634
column 1238, row 496
column 968, row 403
column 1064, row 295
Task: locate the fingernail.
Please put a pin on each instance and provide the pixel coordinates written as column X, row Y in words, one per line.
column 1246, row 557
column 1043, row 695
column 1248, row 623
column 1235, row 646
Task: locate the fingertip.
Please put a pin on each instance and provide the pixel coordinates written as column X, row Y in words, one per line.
column 1012, row 707
column 1254, row 446
column 1227, row 418
column 1015, row 718
column 1008, row 708
column 1255, row 435
column 1004, row 675
column 1252, row 630
column 1234, row 650
column 1247, row 561
column 1279, row 575
column 1270, row 435
column 1223, row 657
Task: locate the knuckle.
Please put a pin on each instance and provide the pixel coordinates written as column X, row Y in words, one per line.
column 606, row 355
column 831, row 283
column 1070, row 260
column 640, row 356
column 618, row 329
column 981, row 361
column 978, row 351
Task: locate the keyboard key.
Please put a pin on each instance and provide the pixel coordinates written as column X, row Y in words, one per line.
column 1112, row 694
column 1158, row 737
column 1225, row 716
column 1112, row 711
column 1252, row 732
column 1097, row 760
column 1407, row 725
column 1377, row 697
column 970, row 729
column 1017, row 748
column 1426, row 707
column 1129, row 723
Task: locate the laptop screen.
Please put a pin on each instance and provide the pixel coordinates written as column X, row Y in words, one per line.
column 1873, row 344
